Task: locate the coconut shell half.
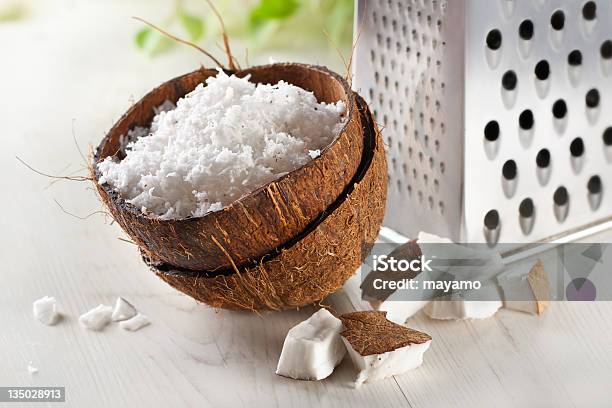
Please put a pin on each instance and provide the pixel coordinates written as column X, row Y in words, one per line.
column 318, row 261
column 261, row 221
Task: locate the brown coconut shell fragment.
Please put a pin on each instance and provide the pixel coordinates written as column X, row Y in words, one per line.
column 261, row 221
column 408, row 251
column 371, row 333
column 317, row 261
column 538, row 281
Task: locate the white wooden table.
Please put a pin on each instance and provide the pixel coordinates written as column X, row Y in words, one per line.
column 75, row 61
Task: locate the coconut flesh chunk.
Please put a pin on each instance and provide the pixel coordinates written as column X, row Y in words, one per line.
column 461, row 309
column 398, row 311
column 45, row 310
column 380, row 348
column 135, row 323
column 474, row 304
column 313, row 348
column 123, row 310
column 432, row 246
column 97, row 318
column 525, row 287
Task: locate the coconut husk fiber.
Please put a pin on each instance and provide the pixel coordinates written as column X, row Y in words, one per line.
column 316, row 262
column 264, row 219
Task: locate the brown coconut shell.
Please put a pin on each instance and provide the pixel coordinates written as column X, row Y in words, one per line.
column 261, row 221
column 370, row 333
column 315, row 263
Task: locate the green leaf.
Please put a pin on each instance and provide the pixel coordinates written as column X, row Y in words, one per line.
column 340, row 21
column 193, row 24
column 273, row 10
column 12, row 12
column 152, row 42
column 141, row 37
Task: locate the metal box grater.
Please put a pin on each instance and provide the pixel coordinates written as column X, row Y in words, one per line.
column 497, row 114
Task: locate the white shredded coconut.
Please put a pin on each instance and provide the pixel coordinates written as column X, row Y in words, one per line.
column 314, row 153
column 222, row 141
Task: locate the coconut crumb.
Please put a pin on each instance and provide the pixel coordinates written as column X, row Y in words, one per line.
column 219, row 143
column 31, row 369
column 314, row 153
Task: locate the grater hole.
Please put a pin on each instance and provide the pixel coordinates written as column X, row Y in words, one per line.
column 561, row 196
column 509, row 170
column 526, row 120
column 441, row 207
column 574, row 58
column 592, row 98
column 509, row 80
column 557, row 20
column 526, row 208
column 442, row 167
column 589, row 10
column 431, row 202
column 577, row 147
column 543, row 158
column 606, row 49
column 594, row 185
column 607, row 136
column 559, row 109
column 494, row 39
column 542, row 70
column 491, row 220
column 526, row 30
column 491, row 131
